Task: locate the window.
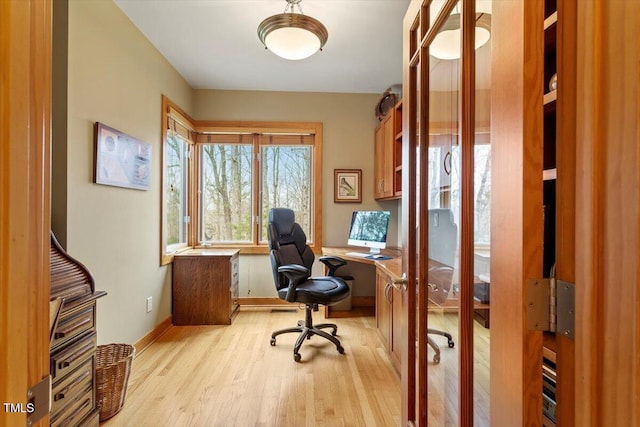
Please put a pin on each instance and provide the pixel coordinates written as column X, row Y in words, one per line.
column 242, row 176
column 287, row 172
column 176, row 172
column 176, row 187
column 220, row 179
column 226, row 190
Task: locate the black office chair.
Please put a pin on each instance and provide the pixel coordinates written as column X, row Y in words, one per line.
column 443, row 240
column 291, row 260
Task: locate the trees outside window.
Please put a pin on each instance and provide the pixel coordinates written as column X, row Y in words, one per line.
column 176, row 188
column 230, row 183
column 226, row 199
column 286, row 182
column 220, row 179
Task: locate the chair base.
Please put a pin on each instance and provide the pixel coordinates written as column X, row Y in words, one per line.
column 434, row 346
column 307, row 329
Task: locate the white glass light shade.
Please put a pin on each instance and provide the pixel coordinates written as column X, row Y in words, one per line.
column 446, row 44
column 292, row 43
column 292, row 35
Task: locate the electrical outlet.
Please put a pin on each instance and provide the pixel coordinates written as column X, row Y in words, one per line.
column 149, row 304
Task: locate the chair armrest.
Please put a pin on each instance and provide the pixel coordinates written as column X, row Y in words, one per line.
column 332, row 263
column 296, row 274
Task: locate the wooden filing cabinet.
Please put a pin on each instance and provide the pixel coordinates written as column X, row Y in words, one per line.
column 73, row 342
column 205, row 287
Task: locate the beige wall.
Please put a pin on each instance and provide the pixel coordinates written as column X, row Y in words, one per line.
column 115, row 76
column 348, row 126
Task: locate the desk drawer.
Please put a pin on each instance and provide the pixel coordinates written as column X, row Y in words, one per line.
column 77, row 383
column 74, row 323
column 72, row 413
column 69, row 358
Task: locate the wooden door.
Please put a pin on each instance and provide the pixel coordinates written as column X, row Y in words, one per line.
column 25, row 110
column 438, row 389
column 597, row 236
column 607, row 247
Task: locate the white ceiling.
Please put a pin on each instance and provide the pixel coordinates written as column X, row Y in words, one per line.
column 214, row 44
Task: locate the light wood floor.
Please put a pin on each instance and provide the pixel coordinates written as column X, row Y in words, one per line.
column 231, row 376
column 443, row 380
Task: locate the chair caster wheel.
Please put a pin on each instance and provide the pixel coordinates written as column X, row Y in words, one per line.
column 436, row 358
column 297, row 357
column 273, row 342
column 334, row 332
column 341, row 350
column 451, row 344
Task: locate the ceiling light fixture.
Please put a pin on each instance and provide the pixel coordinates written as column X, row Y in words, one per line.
column 446, row 44
column 292, row 35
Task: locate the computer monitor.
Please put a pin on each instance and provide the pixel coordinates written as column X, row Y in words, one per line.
column 369, row 229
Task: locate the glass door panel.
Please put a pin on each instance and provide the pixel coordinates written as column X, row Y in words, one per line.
column 446, row 200
column 442, row 199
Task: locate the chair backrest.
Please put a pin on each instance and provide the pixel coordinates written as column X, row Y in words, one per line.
column 443, row 242
column 287, row 244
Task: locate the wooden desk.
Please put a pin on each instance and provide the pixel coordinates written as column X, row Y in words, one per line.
column 393, row 269
column 342, row 252
column 387, row 304
column 393, row 266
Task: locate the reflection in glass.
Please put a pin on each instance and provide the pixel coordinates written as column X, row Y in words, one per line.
column 443, row 193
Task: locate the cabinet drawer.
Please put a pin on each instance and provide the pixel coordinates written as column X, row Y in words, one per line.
column 71, row 386
column 72, row 413
column 69, row 358
column 74, row 323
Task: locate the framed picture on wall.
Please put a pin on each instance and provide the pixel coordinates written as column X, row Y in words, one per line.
column 347, row 185
column 121, row 160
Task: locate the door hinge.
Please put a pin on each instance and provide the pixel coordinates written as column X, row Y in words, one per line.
column 38, row 400
column 551, row 306
column 187, row 219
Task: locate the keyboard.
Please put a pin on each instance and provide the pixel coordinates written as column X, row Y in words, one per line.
column 358, row 254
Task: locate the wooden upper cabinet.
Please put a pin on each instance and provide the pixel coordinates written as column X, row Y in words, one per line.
column 388, row 158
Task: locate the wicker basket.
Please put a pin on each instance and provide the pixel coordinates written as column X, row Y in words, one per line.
column 113, row 366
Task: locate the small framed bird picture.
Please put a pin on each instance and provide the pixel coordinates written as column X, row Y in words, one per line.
column 347, row 187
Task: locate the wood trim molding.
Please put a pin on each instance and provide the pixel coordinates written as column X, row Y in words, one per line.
column 516, row 204
column 25, row 114
column 143, row 343
column 467, row 131
column 409, row 174
column 356, row 301
column 566, row 197
column 261, row 302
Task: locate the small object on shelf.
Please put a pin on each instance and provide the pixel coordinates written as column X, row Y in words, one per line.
column 386, row 103
column 553, row 82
